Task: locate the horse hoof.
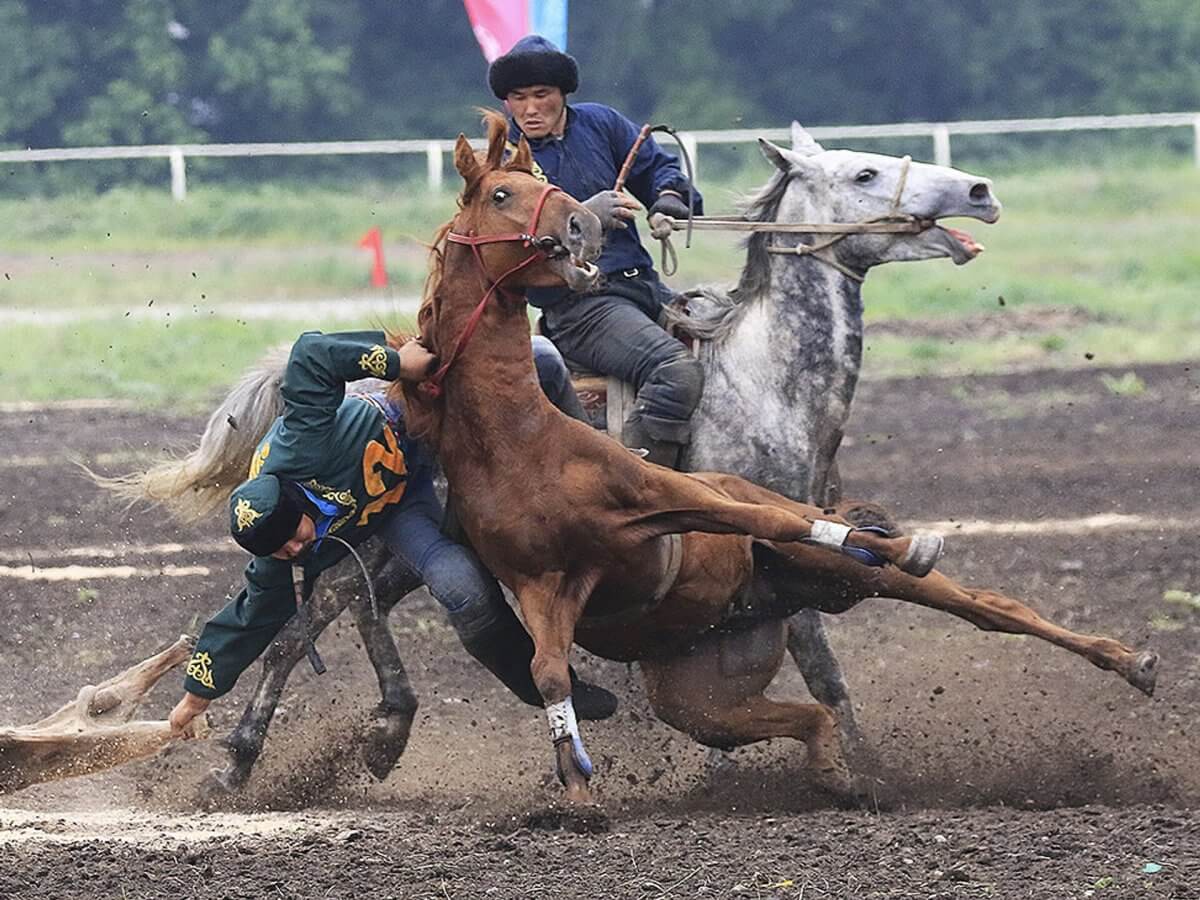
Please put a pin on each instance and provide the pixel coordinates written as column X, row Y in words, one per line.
column 384, row 744
column 839, row 784
column 574, row 769
column 1144, row 674
column 580, row 818
column 924, row 550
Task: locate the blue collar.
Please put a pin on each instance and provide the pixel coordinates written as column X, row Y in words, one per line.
column 329, row 511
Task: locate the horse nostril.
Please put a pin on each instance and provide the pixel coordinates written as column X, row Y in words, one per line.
column 574, row 229
column 980, row 192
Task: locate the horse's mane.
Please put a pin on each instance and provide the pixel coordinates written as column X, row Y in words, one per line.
column 424, row 411
column 713, row 310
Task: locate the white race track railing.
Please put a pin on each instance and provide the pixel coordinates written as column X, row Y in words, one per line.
column 435, row 150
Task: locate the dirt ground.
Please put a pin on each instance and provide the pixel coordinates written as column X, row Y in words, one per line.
column 1005, row 767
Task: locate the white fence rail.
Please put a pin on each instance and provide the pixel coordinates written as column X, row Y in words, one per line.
column 435, row 150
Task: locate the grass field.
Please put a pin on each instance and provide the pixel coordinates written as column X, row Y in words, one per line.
column 1088, row 266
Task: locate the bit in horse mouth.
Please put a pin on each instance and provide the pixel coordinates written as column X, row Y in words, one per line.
column 586, row 267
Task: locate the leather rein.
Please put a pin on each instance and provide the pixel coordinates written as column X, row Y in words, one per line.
column 543, row 247
column 892, row 223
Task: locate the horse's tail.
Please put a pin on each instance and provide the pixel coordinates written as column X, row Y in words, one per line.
column 199, row 483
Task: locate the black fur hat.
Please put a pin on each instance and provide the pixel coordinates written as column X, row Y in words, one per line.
column 532, row 60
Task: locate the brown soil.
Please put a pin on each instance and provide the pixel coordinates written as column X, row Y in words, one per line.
column 1005, row 767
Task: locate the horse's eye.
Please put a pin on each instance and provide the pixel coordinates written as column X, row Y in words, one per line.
column 499, row 195
column 866, row 176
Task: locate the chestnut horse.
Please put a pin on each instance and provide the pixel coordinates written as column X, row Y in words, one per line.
column 583, row 531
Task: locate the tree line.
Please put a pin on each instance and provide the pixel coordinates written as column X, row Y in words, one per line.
column 82, row 72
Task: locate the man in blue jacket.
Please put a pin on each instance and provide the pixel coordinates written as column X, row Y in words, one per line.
column 613, row 329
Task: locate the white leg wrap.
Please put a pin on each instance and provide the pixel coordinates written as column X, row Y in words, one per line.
column 829, row 534
column 561, row 717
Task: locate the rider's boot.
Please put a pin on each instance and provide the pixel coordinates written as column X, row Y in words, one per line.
column 637, row 437
column 498, row 640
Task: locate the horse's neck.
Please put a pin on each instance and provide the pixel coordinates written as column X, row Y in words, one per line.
column 783, row 378
column 491, row 391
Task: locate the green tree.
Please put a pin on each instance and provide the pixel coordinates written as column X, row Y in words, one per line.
column 35, row 72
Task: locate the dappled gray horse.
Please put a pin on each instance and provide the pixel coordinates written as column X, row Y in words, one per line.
column 784, row 348
column 789, row 336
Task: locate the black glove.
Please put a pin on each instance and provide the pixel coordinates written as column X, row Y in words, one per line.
column 669, row 205
column 612, row 208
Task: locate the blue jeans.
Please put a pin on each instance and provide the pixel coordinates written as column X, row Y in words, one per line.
column 452, row 572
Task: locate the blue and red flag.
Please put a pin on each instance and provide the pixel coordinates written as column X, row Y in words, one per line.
column 498, row 24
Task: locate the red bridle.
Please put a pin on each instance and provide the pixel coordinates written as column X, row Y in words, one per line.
column 529, row 238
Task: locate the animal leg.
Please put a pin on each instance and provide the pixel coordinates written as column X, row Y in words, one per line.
column 714, row 693
column 992, row 611
column 121, row 694
column 245, row 742
column 551, row 607
column 726, row 504
column 817, row 577
column 387, row 735
column 809, row 647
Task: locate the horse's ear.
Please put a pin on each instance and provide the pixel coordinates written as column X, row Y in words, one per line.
column 465, row 160
column 775, row 155
column 522, row 160
column 803, row 142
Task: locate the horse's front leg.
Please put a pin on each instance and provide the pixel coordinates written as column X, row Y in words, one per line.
column 807, row 641
column 245, row 742
column 727, row 504
column 388, row 733
column 552, row 606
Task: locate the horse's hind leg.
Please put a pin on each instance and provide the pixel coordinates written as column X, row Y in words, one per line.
column 813, row 578
column 992, row 611
column 809, row 647
column 715, row 695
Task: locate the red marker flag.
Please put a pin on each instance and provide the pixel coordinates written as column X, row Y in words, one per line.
column 374, row 240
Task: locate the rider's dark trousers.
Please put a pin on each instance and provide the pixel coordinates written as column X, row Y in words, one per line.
column 615, row 331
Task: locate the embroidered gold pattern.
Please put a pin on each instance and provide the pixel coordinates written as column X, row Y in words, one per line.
column 260, row 457
column 200, row 668
column 510, row 149
column 246, row 514
column 343, row 498
column 374, row 362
